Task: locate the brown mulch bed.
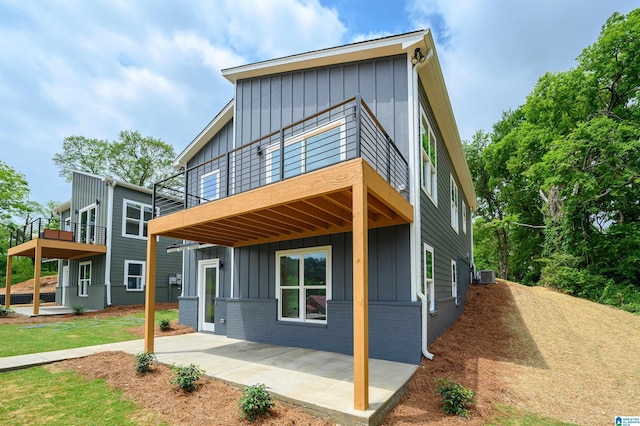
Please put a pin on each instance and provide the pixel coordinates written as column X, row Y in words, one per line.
column 212, row 403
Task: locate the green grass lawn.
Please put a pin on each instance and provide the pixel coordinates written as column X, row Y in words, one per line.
column 511, row 416
column 23, row 339
column 36, row 396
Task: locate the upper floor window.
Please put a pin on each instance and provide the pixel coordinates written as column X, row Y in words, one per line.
column 303, row 284
column 428, row 288
column 454, row 205
column 210, row 186
column 428, row 148
column 464, row 217
column 312, row 150
column 135, row 219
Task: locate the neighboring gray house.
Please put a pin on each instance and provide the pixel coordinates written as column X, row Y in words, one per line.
column 108, row 212
column 327, row 206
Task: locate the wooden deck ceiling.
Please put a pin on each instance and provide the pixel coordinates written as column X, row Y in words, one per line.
column 56, row 249
column 312, row 204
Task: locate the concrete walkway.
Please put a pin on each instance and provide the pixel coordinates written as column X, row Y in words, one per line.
column 27, row 310
column 319, row 382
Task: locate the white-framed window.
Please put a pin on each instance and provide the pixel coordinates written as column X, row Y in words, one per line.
column 428, row 286
column 135, row 218
column 454, row 280
column 134, row 274
column 87, row 224
column 308, row 151
column 303, row 284
column 454, row 205
column 429, row 158
column 464, row 217
column 210, row 186
column 84, row 278
column 67, row 224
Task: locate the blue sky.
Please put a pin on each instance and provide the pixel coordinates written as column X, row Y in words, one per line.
column 94, row 68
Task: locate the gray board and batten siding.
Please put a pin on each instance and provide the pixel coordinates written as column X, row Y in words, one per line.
column 89, row 190
column 447, row 244
column 267, row 104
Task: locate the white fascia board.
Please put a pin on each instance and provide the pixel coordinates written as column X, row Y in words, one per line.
column 62, row 207
column 115, row 182
column 205, row 135
column 387, row 46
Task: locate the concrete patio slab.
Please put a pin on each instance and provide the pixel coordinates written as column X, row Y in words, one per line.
column 27, row 310
column 319, row 382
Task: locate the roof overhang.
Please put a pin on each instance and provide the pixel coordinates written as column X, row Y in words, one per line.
column 387, row 46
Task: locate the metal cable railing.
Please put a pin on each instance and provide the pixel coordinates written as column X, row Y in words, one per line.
column 343, row 132
column 73, row 232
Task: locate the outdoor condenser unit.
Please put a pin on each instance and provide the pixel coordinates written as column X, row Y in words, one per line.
column 487, row 277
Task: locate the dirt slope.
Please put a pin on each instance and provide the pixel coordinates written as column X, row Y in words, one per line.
column 47, row 285
column 538, row 350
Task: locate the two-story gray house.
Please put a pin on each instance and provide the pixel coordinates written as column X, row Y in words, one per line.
column 101, row 246
column 327, row 206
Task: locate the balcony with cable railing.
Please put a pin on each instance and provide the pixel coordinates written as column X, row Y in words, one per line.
column 292, row 182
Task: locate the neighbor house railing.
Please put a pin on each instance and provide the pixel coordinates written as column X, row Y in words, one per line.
column 343, row 132
column 73, row 232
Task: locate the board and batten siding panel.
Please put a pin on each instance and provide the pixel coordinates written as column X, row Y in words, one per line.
column 439, row 234
column 220, row 143
column 266, row 104
column 126, row 248
column 96, row 290
column 389, row 278
column 85, row 191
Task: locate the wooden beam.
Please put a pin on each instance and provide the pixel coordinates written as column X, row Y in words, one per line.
column 37, row 264
column 360, row 298
column 150, row 297
column 7, row 290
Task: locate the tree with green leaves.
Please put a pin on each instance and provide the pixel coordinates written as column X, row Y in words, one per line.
column 564, row 170
column 132, row 158
column 14, row 191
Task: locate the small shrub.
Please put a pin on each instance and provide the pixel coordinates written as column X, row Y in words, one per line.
column 186, row 376
column 144, row 362
column 455, row 397
column 6, row 312
column 255, row 401
column 164, row 324
column 77, row 309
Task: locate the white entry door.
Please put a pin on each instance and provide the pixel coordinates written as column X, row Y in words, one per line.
column 208, row 288
column 65, row 283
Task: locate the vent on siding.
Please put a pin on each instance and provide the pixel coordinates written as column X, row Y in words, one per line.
column 487, row 277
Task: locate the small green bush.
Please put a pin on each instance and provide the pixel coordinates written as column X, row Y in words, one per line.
column 255, row 401
column 77, row 309
column 144, row 362
column 6, row 312
column 164, row 324
column 186, row 376
column 455, row 397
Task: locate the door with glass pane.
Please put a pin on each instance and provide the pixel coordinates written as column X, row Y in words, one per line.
column 87, row 231
column 208, row 285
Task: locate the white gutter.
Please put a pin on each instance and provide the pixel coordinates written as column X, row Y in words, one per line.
column 416, row 234
column 107, row 274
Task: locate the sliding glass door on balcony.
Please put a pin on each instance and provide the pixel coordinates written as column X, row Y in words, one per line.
column 310, row 151
column 87, row 231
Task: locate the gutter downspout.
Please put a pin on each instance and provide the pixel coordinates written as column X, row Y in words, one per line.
column 416, row 116
column 107, row 274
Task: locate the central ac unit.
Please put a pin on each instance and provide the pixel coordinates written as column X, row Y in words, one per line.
column 487, row 277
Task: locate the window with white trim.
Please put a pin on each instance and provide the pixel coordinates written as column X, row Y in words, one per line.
column 428, row 285
column 428, row 149
column 454, row 205
column 210, row 186
column 134, row 274
column 464, row 217
column 135, row 218
column 87, row 229
column 312, row 150
column 303, row 284
column 454, row 280
column 84, row 278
